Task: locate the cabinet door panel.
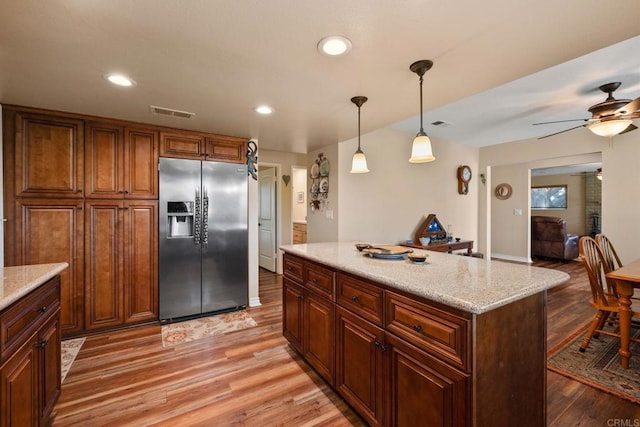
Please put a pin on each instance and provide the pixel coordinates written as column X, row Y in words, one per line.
column 103, row 282
column 359, row 364
column 319, row 335
column 140, row 261
column 19, row 387
column 182, row 145
column 292, row 313
column 226, row 149
column 422, row 389
column 104, row 161
column 51, row 231
column 141, row 164
column 49, row 156
column 51, row 365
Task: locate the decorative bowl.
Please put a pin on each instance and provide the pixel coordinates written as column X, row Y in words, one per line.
column 417, row 257
column 361, row 246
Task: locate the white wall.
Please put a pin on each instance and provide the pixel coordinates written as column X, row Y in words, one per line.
column 621, row 171
column 387, row 204
column 299, row 185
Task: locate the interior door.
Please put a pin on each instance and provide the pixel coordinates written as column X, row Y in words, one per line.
column 267, row 219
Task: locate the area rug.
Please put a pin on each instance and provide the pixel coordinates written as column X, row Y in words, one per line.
column 190, row 330
column 69, row 351
column 599, row 366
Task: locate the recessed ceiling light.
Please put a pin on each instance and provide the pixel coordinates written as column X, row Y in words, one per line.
column 120, row 80
column 264, row 109
column 334, row 45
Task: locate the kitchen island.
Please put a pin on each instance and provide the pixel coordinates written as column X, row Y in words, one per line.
column 456, row 341
column 29, row 343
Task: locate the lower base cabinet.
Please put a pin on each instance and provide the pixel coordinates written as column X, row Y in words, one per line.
column 30, row 375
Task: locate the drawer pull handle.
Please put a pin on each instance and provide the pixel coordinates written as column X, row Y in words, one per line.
column 314, row 281
column 43, row 343
column 43, row 309
column 417, row 328
column 354, row 298
column 380, row 346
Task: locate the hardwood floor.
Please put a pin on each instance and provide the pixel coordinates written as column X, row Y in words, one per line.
column 253, row 378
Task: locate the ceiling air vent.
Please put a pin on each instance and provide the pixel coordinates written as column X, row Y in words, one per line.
column 171, row 112
column 441, row 123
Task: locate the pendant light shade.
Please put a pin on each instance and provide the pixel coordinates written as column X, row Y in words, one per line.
column 359, row 162
column 609, row 128
column 421, row 149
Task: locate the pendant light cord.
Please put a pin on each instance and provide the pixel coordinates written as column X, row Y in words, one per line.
column 421, row 127
column 359, row 128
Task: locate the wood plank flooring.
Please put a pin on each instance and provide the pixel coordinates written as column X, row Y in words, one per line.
column 252, row 377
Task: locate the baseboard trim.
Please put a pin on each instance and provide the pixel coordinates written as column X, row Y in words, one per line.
column 512, row 258
column 254, row 302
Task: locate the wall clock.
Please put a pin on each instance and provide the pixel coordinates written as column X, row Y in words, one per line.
column 464, row 176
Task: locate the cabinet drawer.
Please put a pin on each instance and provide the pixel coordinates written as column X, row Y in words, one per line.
column 293, row 267
column 299, row 237
column 299, row 227
column 435, row 331
column 24, row 317
column 362, row 298
column 320, row 280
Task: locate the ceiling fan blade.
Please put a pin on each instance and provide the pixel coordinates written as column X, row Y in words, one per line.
column 560, row 121
column 629, row 108
column 629, row 129
column 562, row 131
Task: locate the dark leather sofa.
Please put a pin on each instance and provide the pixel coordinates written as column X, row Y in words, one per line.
column 549, row 238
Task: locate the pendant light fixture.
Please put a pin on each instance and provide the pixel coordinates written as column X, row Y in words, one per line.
column 421, row 149
column 359, row 162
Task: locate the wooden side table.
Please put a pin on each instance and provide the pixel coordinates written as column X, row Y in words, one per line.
column 448, row 247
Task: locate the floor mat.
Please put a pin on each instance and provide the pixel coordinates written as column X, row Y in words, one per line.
column 70, row 349
column 599, row 366
column 190, row 330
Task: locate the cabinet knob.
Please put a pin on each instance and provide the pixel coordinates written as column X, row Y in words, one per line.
column 417, row 328
column 78, row 191
column 43, row 343
column 380, row 346
column 315, row 281
column 300, row 297
column 354, row 298
column 43, row 309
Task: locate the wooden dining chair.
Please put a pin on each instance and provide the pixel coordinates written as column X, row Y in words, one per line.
column 609, row 252
column 603, row 299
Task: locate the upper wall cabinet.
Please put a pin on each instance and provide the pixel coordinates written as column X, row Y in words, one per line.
column 49, row 155
column 193, row 145
column 121, row 162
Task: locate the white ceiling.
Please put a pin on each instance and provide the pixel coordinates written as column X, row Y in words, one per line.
column 220, row 59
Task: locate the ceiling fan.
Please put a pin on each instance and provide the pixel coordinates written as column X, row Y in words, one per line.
column 597, row 173
column 608, row 118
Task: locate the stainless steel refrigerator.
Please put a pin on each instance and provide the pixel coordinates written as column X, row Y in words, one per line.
column 203, row 238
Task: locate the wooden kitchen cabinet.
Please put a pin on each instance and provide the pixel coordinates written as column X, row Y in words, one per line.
column 422, row 390
column 30, row 359
column 49, row 155
column 121, row 258
column 200, row 146
column 228, row 149
column 52, row 231
column 121, row 162
column 309, row 312
column 359, row 365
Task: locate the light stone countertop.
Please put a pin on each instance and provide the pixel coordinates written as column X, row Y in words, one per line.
column 470, row 284
column 18, row 281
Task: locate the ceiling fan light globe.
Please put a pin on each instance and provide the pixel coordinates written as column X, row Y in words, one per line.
column 609, row 128
column 359, row 163
column 421, row 150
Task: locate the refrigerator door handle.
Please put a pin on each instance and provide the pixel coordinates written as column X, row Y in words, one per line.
column 205, row 217
column 196, row 219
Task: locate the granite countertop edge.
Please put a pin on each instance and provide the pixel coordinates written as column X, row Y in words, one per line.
column 478, row 303
column 18, row 281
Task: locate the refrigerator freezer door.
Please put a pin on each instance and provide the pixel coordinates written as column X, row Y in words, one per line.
column 180, row 257
column 225, row 253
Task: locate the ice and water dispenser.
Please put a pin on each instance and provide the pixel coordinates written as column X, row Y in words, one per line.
column 180, row 217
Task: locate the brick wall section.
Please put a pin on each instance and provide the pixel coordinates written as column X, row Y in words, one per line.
column 593, row 204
